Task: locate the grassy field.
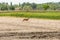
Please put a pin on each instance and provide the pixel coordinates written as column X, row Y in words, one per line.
column 41, row 14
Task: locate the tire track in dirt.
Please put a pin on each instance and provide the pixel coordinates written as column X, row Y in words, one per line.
column 31, row 35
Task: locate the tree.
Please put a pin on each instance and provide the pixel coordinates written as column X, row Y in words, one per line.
column 19, row 4
column 27, row 4
column 11, row 3
column 39, row 7
column 27, row 8
column 23, row 4
column 33, row 5
column 45, row 6
column 54, row 7
column 4, row 6
column 16, row 5
column 12, row 8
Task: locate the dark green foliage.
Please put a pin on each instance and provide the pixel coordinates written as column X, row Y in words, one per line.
column 45, row 6
column 4, row 8
column 12, row 8
column 33, row 5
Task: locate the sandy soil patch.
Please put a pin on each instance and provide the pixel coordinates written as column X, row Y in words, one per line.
column 32, row 25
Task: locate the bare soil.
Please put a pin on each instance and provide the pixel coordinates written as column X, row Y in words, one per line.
column 12, row 28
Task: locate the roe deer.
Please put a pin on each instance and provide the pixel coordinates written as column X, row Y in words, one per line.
column 26, row 19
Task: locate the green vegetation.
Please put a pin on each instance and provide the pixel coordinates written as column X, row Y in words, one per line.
column 45, row 7
column 30, row 6
column 40, row 14
column 32, row 10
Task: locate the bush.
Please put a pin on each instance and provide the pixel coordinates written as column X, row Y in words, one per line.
column 12, row 8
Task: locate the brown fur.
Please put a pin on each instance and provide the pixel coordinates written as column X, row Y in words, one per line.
column 26, row 19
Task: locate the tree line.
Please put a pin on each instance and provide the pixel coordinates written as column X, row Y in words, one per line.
column 30, row 6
